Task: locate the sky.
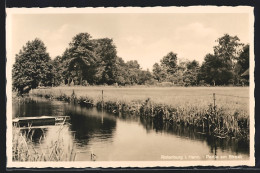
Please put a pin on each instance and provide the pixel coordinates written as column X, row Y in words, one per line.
column 145, row 37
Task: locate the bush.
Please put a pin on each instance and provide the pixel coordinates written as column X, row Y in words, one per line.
column 165, row 84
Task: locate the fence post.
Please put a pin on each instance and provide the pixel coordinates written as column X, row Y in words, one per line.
column 102, row 100
column 214, row 100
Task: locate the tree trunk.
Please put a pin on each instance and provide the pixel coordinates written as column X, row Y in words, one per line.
column 69, row 81
column 80, row 82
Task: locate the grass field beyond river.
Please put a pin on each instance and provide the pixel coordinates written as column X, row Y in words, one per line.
column 191, row 106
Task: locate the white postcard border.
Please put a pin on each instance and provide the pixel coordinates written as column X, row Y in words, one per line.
column 107, row 164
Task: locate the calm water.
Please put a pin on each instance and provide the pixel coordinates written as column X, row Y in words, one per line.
column 126, row 137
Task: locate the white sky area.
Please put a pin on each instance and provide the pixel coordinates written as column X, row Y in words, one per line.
column 143, row 37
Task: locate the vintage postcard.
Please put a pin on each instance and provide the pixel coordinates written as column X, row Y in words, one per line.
column 130, row 87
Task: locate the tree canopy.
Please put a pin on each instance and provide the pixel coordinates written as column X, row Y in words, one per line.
column 106, row 51
column 80, row 59
column 169, row 62
column 221, row 68
column 32, row 67
column 88, row 61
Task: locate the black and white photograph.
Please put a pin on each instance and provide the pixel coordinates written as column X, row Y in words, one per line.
column 130, row 87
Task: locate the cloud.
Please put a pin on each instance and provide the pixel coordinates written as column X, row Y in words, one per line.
column 195, row 40
column 57, row 40
column 192, row 41
column 134, row 41
column 194, row 31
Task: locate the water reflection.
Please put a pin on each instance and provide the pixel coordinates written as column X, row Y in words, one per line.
column 90, row 123
column 35, row 106
column 234, row 145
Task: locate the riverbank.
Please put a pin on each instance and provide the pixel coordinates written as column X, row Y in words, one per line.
column 189, row 107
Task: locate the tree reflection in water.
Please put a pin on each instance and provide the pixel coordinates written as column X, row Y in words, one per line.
column 233, row 144
column 90, row 123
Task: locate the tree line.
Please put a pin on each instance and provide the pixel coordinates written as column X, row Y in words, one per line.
column 88, row 61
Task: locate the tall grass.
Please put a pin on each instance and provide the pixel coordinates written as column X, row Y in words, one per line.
column 173, row 96
column 183, row 106
column 24, row 149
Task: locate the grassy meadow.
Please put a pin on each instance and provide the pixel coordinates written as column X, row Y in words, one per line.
column 189, row 106
column 173, row 96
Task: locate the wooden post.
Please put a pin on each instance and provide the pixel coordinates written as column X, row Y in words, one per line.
column 214, row 100
column 102, row 100
column 102, row 117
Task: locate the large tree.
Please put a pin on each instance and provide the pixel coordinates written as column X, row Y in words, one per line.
column 80, row 59
column 243, row 59
column 191, row 73
column 219, row 69
column 242, row 66
column 121, row 76
column 169, row 62
column 32, row 67
column 214, row 71
column 106, row 68
column 57, row 70
column 228, row 50
column 145, row 77
column 133, row 71
column 159, row 73
column 164, row 72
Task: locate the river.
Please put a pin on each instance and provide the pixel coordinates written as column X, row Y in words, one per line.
column 127, row 137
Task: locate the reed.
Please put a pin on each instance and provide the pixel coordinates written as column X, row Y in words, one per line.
column 24, row 150
column 230, row 118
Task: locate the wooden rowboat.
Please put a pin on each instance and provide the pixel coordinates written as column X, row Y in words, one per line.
column 39, row 121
